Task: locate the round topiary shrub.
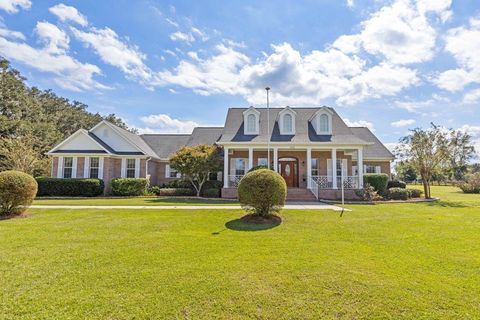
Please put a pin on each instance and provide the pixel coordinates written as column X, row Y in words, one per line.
column 17, row 191
column 262, row 192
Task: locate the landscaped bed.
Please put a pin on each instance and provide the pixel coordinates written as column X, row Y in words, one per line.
column 409, row 261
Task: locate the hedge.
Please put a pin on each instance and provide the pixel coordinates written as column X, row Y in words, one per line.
column 398, row 194
column 172, row 192
column 377, row 180
column 56, row 187
column 129, row 186
column 17, row 191
column 414, row 193
column 396, row 184
column 211, row 193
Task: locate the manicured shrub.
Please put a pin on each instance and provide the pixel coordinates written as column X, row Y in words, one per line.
column 396, row 184
column 368, row 193
column 212, row 184
column 262, row 192
column 211, row 193
column 398, row 194
column 377, row 180
column 56, row 187
column 414, row 193
column 178, row 184
column 471, row 184
column 153, row 190
column 17, row 191
column 129, row 186
column 175, row 192
column 258, row 168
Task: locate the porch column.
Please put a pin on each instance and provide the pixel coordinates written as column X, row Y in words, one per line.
column 275, row 159
column 360, row 167
column 250, row 158
column 225, row 167
column 309, row 168
column 334, row 168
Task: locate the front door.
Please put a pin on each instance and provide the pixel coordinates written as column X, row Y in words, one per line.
column 288, row 170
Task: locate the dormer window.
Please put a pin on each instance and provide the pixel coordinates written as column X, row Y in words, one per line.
column 251, row 121
column 322, row 121
column 287, row 121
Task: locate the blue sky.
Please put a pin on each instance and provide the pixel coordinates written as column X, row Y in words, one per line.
column 169, row 66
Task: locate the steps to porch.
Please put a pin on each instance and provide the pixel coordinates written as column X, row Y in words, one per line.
column 300, row 194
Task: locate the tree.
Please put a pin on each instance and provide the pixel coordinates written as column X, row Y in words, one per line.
column 196, row 163
column 20, row 154
column 460, row 152
column 405, row 171
column 425, row 150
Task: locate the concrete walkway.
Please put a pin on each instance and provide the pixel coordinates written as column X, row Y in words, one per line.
column 290, row 205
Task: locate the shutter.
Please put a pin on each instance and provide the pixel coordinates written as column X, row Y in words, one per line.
column 86, row 167
column 378, row 169
column 60, row 167
column 329, row 170
column 100, row 167
column 167, row 171
column 344, row 168
column 74, row 167
column 123, row 170
column 137, row 168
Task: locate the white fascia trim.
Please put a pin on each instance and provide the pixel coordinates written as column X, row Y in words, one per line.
column 251, row 110
column 286, row 110
column 79, row 131
column 119, row 133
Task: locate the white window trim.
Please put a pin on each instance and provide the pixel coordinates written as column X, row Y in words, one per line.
column 282, row 115
column 329, row 131
column 86, row 167
column 246, row 113
column 168, row 170
column 60, row 167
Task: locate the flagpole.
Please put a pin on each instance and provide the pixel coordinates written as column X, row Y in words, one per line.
column 268, row 127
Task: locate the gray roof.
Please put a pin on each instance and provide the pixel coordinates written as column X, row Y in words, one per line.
column 138, row 141
column 165, row 145
column 305, row 132
column 375, row 150
column 205, row 135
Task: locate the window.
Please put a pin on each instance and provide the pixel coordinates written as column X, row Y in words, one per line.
column 94, row 168
column 67, row 167
column 369, row 169
column 240, row 165
column 287, row 123
column 324, row 125
column 262, row 162
column 314, row 167
column 173, row 173
column 251, row 123
column 130, row 173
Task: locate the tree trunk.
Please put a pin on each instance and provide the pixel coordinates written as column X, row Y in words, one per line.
column 426, row 188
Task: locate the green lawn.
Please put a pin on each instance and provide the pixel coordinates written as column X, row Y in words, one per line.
column 388, row 261
column 134, row 201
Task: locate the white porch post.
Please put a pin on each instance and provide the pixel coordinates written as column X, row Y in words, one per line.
column 275, row 159
column 334, row 168
column 250, row 158
column 360, row 167
column 309, row 168
column 225, row 167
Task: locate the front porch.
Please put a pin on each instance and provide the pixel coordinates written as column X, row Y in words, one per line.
column 321, row 171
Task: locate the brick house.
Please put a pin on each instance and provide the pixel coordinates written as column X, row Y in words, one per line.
column 312, row 148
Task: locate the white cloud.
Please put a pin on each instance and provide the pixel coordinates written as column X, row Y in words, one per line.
column 163, row 123
column 56, row 41
column 113, row 51
column 4, row 32
column 415, row 106
column 472, row 97
column 67, row 13
column 52, row 58
column 181, row 36
column 463, row 43
column 474, row 132
column 171, row 22
column 12, row 6
column 350, row 3
column 403, row 123
column 202, row 35
column 360, row 123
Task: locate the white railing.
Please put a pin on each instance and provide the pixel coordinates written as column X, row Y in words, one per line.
column 313, row 186
column 234, row 180
column 326, row 182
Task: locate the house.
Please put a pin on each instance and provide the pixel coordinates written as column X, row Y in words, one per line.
column 312, row 148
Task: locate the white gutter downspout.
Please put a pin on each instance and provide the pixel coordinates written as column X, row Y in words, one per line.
column 146, row 168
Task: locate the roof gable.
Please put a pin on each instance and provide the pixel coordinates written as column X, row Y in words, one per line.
column 79, row 141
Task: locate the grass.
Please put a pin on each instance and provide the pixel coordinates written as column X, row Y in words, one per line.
column 388, row 261
column 133, row 201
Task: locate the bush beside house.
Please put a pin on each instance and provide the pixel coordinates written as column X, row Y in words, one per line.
column 471, row 184
column 17, row 191
column 56, row 187
column 378, row 181
column 129, row 186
